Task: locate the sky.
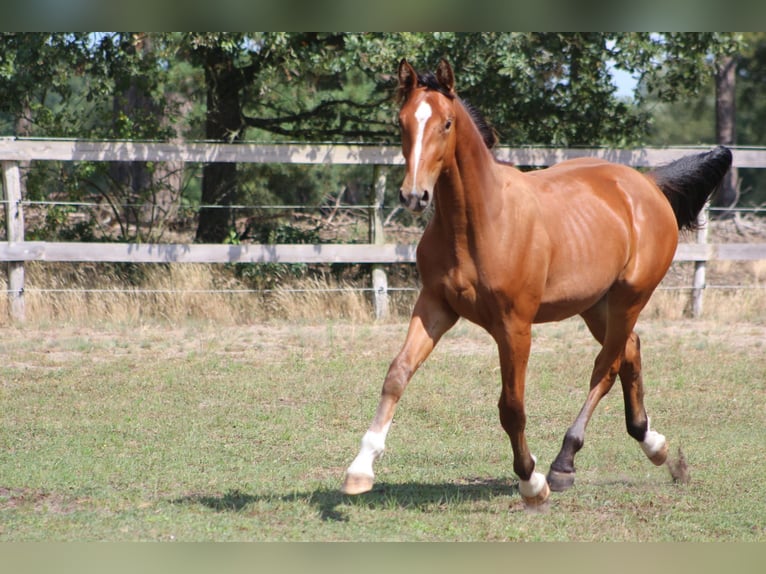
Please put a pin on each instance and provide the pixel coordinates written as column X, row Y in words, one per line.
column 624, row 81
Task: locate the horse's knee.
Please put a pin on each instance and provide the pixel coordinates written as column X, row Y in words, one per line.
column 396, row 380
column 513, row 421
column 632, row 354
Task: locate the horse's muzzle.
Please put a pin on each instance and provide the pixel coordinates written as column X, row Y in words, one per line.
column 415, row 202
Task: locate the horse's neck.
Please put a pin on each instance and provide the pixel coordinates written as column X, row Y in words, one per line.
column 469, row 193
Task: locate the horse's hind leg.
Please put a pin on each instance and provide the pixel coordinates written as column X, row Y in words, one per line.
column 631, row 379
column 652, row 443
column 562, row 472
column 611, row 333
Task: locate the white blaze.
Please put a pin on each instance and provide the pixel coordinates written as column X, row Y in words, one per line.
column 422, row 114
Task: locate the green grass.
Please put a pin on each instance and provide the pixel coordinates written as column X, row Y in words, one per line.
column 197, row 432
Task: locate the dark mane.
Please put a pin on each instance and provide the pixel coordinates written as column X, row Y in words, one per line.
column 428, row 80
column 488, row 134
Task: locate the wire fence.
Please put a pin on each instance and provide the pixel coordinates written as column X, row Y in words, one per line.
column 294, row 207
column 146, row 291
column 201, row 206
column 153, row 291
column 288, row 290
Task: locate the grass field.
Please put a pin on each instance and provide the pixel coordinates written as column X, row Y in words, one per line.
column 194, row 432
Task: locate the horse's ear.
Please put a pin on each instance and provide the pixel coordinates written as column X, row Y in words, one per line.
column 445, row 77
column 407, row 77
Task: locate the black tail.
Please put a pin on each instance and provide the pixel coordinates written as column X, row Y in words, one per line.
column 689, row 181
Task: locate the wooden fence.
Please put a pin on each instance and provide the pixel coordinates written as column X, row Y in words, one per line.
column 16, row 251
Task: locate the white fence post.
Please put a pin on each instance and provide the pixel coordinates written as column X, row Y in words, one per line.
column 14, row 220
column 700, row 267
column 379, row 278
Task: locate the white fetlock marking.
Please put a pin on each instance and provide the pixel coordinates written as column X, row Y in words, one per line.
column 653, row 443
column 373, row 445
column 532, row 487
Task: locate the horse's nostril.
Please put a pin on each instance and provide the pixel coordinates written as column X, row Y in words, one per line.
column 424, row 197
column 402, row 199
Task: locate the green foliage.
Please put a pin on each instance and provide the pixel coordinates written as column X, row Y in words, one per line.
column 535, row 88
column 547, row 88
column 691, row 121
column 57, row 226
column 270, row 231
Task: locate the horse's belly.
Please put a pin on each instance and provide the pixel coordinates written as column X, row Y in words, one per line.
column 572, row 293
column 558, row 310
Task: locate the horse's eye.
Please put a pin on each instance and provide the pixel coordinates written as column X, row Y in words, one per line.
column 447, row 125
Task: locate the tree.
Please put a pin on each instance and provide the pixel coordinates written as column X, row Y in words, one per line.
column 276, row 83
column 725, row 121
column 218, row 54
column 728, row 108
column 87, row 86
column 751, row 113
column 535, row 88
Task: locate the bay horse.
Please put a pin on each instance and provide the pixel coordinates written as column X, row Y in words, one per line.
column 506, row 249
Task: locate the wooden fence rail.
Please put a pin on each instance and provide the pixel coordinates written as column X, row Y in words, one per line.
column 16, row 251
column 385, row 253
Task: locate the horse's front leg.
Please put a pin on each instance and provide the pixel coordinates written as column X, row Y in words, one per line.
column 431, row 318
column 514, row 343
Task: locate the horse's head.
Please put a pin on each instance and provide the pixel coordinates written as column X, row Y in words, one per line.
column 427, row 119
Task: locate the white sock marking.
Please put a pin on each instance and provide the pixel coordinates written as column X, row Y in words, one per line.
column 653, row 443
column 422, row 114
column 532, row 487
column 373, row 444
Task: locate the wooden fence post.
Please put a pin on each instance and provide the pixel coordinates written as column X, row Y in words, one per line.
column 379, row 279
column 700, row 267
column 14, row 220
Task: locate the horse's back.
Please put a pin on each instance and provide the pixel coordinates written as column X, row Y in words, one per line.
column 600, row 186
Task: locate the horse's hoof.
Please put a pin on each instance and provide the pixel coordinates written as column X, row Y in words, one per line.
column 659, row 457
column 655, row 447
column 538, row 501
column 357, row 484
column 560, row 481
column 535, row 491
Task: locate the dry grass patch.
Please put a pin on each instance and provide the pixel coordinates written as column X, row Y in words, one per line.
column 92, row 293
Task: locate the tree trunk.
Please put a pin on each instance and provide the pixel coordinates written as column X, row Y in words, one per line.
column 725, row 82
column 169, row 175
column 132, row 179
column 223, row 123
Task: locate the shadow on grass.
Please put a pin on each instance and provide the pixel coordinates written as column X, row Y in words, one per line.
column 330, row 502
